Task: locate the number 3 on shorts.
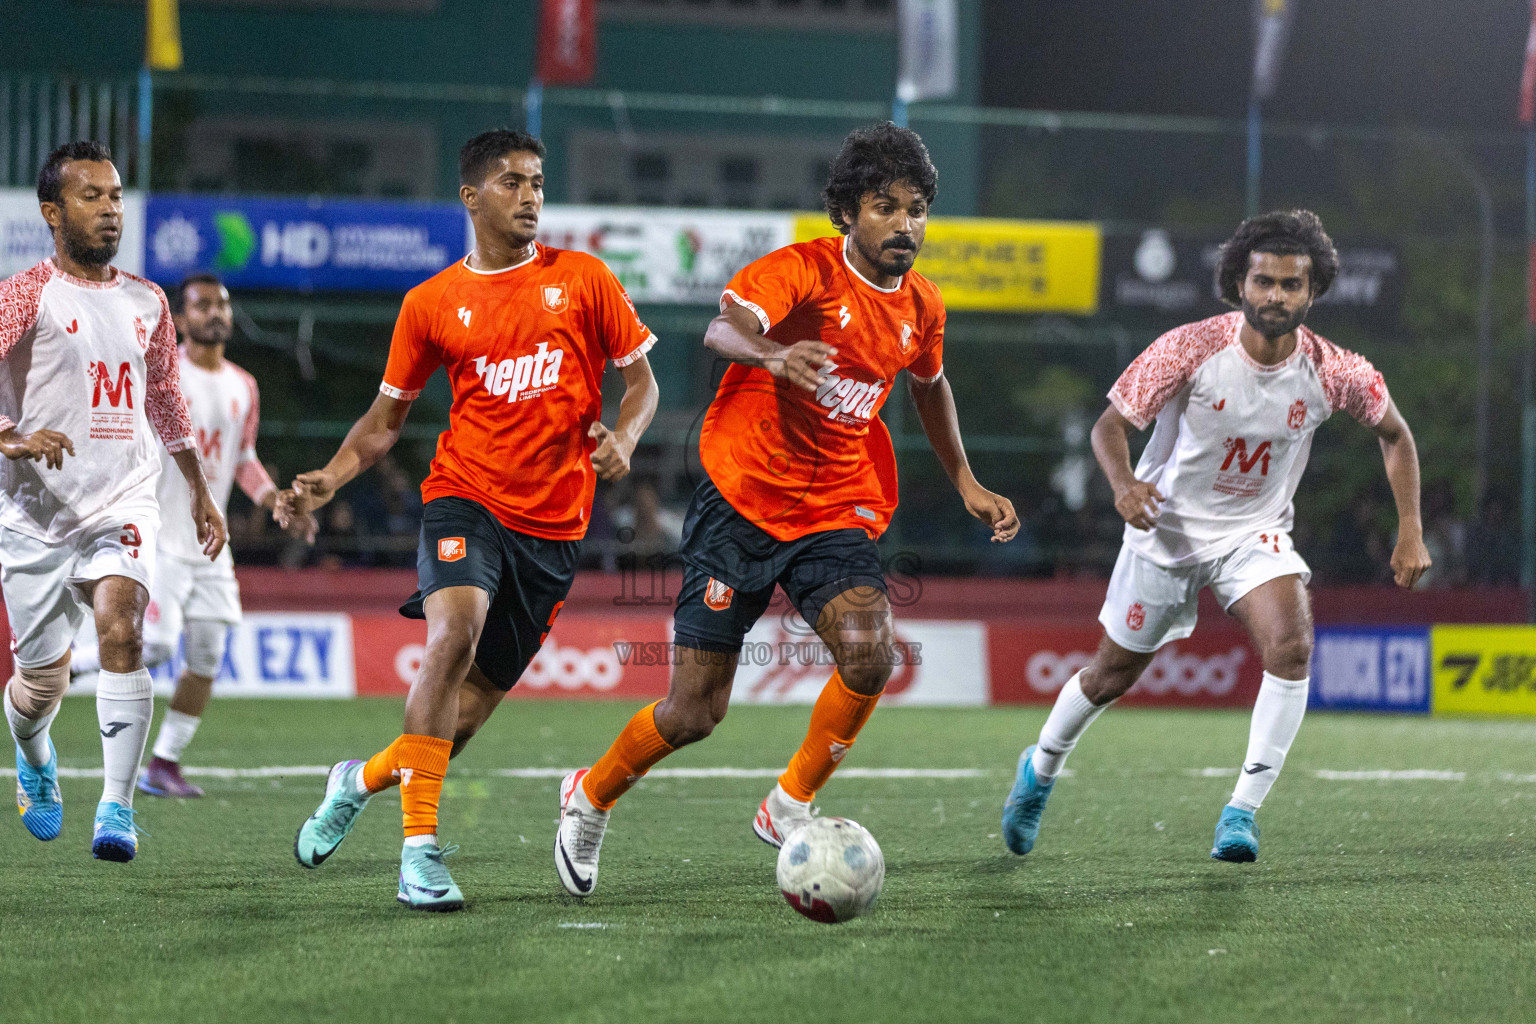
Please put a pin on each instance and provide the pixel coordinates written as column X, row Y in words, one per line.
column 131, row 539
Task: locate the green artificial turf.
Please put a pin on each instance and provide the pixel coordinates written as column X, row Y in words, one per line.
column 1402, row 900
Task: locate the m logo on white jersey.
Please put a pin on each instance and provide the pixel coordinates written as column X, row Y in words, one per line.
column 465, row 313
column 102, row 378
column 1240, row 484
column 554, row 298
column 523, row 377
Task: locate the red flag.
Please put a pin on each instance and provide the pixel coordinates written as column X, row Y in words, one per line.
column 568, row 41
column 1528, row 75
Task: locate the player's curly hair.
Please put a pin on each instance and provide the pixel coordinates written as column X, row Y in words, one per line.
column 50, row 179
column 480, row 152
column 872, row 160
column 1280, row 233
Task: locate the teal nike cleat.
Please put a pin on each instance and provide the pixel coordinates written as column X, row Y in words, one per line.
column 1237, row 836
column 424, row 880
column 116, row 837
column 323, row 831
column 1025, row 803
column 37, row 795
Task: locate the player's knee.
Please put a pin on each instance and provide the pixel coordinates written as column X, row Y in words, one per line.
column 204, row 641
column 452, row 647
column 36, row 691
column 1289, row 657
column 120, row 639
column 866, row 676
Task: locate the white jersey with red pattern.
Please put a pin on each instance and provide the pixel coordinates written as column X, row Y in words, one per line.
column 1232, row 435
column 225, row 410
column 97, row 362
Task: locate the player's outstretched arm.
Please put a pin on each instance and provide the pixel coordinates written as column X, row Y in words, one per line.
column 936, row 408
column 1135, row 500
column 615, row 447
column 366, row 443
column 48, row 445
column 211, row 531
column 737, row 334
column 1410, row 558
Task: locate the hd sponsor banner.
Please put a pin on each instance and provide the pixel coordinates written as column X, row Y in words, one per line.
column 675, row 256
column 1484, row 670
column 1163, row 272
column 299, row 245
column 1371, row 669
column 26, row 241
column 1213, row 668
column 1002, row 265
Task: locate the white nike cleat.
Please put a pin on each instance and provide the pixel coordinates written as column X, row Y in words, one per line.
column 580, row 837
column 780, row 816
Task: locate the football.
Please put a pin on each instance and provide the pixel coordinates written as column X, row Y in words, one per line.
column 831, row 870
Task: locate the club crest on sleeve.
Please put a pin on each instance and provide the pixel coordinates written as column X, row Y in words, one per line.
column 141, row 332
column 718, row 596
column 451, row 549
column 1136, row 616
column 554, row 297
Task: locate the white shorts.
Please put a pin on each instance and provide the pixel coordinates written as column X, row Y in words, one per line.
column 1148, row 606
column 42, row 580
column 190, row 590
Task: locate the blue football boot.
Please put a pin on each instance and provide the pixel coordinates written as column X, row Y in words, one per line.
column 424, row 880
column 323, row 831
column 116, row 837
column 1025, row 804
column 1237, row 836
column 37, row 795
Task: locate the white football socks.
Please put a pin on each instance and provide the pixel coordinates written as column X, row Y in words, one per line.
column 124, row 705
column 1071, row 716
column 31, row 734
column 176, row 731
column 429, row 839
column 1276, row 718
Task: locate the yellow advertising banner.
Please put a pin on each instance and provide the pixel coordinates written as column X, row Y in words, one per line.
column 1004, row 266
column 1483, row 670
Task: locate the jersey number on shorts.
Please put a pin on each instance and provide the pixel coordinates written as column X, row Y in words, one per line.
column 131, row 539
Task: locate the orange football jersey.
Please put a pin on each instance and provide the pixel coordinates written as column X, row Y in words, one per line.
column 796, row 462
column 524, row 349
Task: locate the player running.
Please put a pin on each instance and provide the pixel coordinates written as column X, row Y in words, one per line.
column 192, row 601
column 801, row 480
column 524, row 332
column 1236, row 399
column 89, row 353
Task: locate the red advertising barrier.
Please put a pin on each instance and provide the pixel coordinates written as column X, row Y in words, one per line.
column 585, row 656
column 1214, row 668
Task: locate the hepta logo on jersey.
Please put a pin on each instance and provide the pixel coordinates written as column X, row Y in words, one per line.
column 451, row 549
column 848, row 399
column 523, row 377
column 111, row 423
column 906, row 337
column 554, row 298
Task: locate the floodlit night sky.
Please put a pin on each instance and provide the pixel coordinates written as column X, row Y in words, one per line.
column 1452, row 64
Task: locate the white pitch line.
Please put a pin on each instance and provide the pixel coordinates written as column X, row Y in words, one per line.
column 279, row 771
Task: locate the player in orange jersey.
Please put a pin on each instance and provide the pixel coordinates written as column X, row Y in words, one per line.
column 524, row 332
column 801, row 480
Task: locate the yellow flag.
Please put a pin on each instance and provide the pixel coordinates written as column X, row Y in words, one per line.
column 162, row 37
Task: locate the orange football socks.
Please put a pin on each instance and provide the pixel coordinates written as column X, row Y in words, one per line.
column 835, row 723
column 417, row 764
column 633, row 754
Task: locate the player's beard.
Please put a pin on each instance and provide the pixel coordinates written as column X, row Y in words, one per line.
column 1273, row 327
column 78, row 247
column 891, row 266
column 214, row 333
